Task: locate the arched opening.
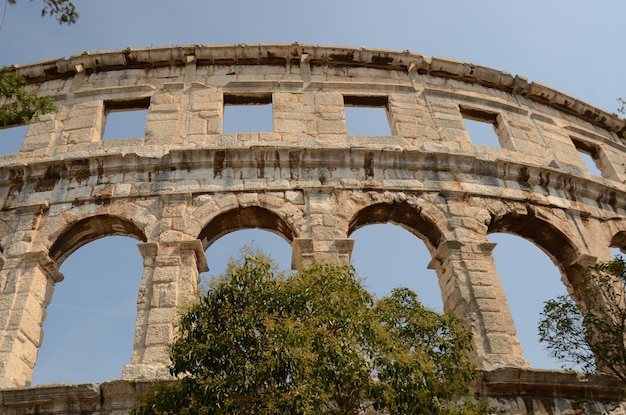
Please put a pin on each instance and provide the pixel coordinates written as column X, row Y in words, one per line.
column 245, row 218
column 529, row 278
column 388, row 256
column 402, row 214
column 618, row 244
column 90, row 324
column 534, row 267
column 545, row 235
column 392, row 244
column 228, row 247
column 89, row 229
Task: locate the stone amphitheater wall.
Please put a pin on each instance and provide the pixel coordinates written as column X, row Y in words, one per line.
column 185, row 183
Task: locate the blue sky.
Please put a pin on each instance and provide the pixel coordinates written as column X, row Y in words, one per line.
column 570, row 45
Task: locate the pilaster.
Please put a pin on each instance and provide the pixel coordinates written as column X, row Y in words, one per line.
column 170, row 280
column 24, row 297
column 472, row 290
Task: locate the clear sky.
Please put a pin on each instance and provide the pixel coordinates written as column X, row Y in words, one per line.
column 574, row 46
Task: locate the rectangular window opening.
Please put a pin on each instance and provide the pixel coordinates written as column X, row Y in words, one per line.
column 125, row 119
column 247, row 113
column 11, row 138
column 589, row 155
column 367, row 115
column 481, row 126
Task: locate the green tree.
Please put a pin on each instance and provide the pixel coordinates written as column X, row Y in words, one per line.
column 17, row 106
column 315, row 342
column 591, row 336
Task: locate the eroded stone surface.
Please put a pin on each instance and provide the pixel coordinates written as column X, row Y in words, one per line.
column 185, row 184
column 509, row 391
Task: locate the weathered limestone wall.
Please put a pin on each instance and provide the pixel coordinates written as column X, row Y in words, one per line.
column 185, row 183
column 510, row 391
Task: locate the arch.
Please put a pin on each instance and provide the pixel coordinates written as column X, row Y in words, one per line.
column 242, row 218
column 89, row 229
column 403, row 214
column 619, row 241
column 228, row 247
column 89, row 337
column 554, row 242
column 522, row 266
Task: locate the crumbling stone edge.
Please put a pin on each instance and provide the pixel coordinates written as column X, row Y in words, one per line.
column 504, row 386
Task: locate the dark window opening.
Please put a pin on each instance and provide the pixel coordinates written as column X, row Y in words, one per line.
column 125, row 119
column 481, row 126
column 247, row 113
column 366, row 115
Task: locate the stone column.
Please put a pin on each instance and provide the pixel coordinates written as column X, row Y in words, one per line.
column 170, row 279
column 330, row 122
column 472, row 290
column 28, row 284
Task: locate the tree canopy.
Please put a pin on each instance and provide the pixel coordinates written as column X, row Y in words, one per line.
column 590, row 335
column 314, row 342
column 19, row 106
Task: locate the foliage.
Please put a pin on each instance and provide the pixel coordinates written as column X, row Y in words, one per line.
column 591, row 337
column 19, row 106
column 62, row 10
column 314, row 342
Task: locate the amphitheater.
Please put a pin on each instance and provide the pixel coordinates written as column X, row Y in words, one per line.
column 185, row 183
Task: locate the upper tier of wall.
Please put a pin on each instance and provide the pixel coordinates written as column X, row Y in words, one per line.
column 294, row 54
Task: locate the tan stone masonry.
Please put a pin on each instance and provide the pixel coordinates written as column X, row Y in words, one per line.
column 185, row 184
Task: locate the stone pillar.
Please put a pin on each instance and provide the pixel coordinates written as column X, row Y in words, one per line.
column 472, row 290
column 205, row 113
column 28, row 284
column 330, row 120
column 170, row 279
column 165, row 115
column 41, row 135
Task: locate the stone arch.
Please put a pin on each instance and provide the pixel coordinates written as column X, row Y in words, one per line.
column 619, row 241
column 404, row 214
column 546, row 235
column 89, row 229
column 243, row 218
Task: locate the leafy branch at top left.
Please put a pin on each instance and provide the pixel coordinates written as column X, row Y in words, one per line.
column 19, row 106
